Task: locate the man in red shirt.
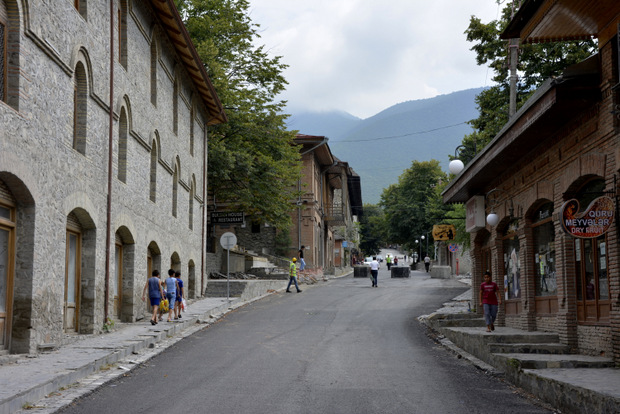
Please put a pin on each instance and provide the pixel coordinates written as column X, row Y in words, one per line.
column 490, row 298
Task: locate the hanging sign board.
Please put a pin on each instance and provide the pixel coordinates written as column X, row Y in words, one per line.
column 443, row 232
column 593, row 222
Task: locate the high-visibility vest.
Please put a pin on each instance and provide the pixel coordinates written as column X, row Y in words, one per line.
column 293, row 270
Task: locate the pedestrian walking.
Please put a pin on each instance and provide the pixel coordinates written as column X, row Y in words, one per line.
column 427, row 263
column 395, row 260
column 490, row 299
column 374, row 271
column 180, row 294
column 292, row 272
column 388, row 260
column 171, row 294
column 153, row 285
column 302, row 262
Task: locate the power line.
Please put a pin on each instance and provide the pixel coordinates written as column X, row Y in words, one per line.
column 399, row 136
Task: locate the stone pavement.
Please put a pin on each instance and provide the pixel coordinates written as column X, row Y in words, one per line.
column 534, row 361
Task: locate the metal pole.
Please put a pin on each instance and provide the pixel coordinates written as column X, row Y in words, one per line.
column 228, row 274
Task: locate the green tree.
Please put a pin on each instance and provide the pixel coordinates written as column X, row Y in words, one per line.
column 413, row 205
column 372, row 230
column 536, row 63
column 253, row 164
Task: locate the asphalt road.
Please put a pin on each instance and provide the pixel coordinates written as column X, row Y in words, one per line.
column 337, row 347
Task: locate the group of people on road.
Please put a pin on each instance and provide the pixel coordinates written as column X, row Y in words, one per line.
column 170, row 289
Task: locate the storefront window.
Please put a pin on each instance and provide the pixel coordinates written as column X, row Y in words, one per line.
column 544, row 251
column 591, row 255
column 512, row 263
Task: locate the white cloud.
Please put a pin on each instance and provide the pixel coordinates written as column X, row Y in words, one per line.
column 362, row 56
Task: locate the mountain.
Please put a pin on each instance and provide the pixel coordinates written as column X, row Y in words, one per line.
column 381, row 147
column 328, row 124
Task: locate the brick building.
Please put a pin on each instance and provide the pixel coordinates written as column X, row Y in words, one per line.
column 60, row 112
column 329, row 205
column 562, row 145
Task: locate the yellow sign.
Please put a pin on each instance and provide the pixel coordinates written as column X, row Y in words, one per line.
column 444, row 232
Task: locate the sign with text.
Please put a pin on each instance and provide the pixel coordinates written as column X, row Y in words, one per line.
column 227, row 217
column 593, row 222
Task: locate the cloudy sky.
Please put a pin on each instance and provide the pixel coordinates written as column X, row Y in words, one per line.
column 363, row 56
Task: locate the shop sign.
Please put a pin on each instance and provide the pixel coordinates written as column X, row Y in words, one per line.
column 227, row 217
column 443, row 232
column 593, row 222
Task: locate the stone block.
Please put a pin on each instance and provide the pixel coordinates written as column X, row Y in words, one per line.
column 361, row 271
column 399, row 271
column 441, row 272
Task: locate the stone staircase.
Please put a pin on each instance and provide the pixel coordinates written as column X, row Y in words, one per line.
column 512, row 350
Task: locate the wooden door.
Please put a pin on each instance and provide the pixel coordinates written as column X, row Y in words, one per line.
column 117, row 280
column 6, row 284
column 72, row 282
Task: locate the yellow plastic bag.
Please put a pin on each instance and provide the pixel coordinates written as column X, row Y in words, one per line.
column 164, row 306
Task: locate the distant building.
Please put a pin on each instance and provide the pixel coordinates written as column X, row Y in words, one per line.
column 328, row 208
column 55, row 83
column 548, row 183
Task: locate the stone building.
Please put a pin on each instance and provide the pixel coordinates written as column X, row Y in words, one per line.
column 81, row 126
column 549, row 184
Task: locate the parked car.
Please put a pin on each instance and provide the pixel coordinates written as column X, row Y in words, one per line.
column 368, row 260
column 380, row 259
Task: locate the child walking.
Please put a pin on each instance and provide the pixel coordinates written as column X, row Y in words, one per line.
column 490, row 299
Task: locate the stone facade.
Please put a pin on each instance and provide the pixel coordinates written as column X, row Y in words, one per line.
column 54, row 140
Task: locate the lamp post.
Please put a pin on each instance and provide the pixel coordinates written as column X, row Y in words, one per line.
column 422, row 239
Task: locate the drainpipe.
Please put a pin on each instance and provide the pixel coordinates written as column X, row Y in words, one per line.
column 204, row 212
column 110, row 148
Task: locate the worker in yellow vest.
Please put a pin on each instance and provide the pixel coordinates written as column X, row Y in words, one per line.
column 388, row 259
column 292, row 272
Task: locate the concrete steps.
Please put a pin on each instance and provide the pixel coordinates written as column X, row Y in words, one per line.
column 540, row 361
column 539, row 348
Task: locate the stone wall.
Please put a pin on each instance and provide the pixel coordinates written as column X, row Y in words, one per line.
column 51, row 180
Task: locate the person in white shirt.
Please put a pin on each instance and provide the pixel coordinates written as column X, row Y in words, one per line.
column 374, row 271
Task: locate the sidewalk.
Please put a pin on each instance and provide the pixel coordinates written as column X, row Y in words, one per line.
column 534, row 361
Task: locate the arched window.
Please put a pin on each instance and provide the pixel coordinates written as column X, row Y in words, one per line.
column 192, row 191
column 121, row 25
column 153, row 187
column 512, row 261
column 122, row 146
column 154, row 59
column 4, row 31
column 175, row 107
column 191, row 131
column 175, row 189
column 81, row 7
column 9, row 53
column 543, row 233
column 591, row 265
column 80, row 109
